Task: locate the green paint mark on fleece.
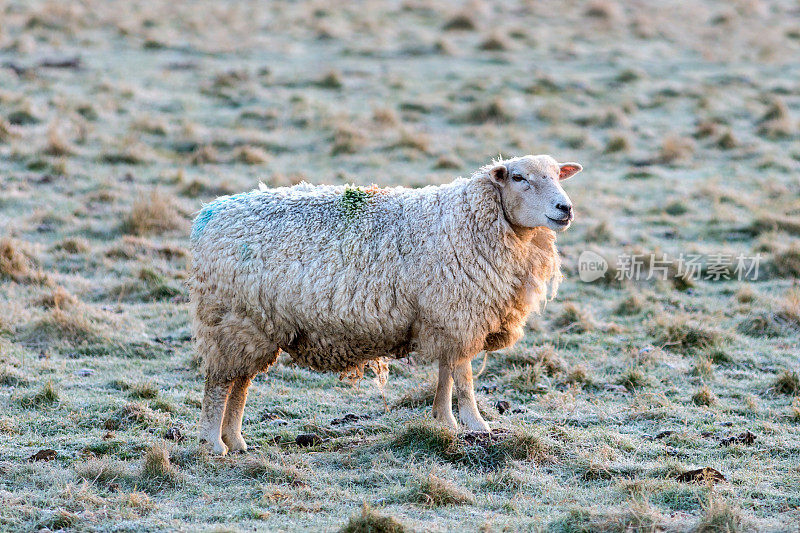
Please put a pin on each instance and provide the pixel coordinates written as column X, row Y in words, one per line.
column 354, row 200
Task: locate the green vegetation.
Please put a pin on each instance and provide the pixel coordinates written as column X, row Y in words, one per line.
column 354, row 200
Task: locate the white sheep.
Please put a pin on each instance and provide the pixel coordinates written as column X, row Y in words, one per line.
column 339, row 277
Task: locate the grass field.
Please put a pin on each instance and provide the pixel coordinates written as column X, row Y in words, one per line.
column 119, row 119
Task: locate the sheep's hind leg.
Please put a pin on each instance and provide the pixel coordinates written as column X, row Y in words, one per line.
column 443, row 400
column 211, row 415
column 232, row 422
column 467, row 406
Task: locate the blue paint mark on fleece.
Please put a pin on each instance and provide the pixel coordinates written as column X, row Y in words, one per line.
column 246, row 253
column 201, row 220
column 207, row 213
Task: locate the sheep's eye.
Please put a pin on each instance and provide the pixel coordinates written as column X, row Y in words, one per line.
column 517, row 177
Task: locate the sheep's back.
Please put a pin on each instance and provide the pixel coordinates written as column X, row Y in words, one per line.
column 320, row 277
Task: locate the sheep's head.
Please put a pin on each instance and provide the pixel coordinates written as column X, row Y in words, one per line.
column 531, row 193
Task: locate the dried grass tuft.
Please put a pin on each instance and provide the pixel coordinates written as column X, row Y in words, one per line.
column 157, row 466
column 153, row 213
column 495, row 111
column 251, row 155
column 347, row 140
column 144, row 390
column 704, row 397
column 261, row 468
column 786, row 263
column 433, row 491
column 544, row 356
column 73, row 326
column 460, row 22
column 103, row 470
column 494, row 43
column 130, row 415
column 787, row 382
column 48, row 395
column 331, row 80
column 73, row 245
column 57, row 144
column 16, row 262
column 684, row 334
column 720, row 517
column 59, row 298
column 574, row 319
column 676, row 148
column 370, row 521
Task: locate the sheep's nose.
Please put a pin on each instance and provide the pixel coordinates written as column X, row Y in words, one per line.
column 565, row 208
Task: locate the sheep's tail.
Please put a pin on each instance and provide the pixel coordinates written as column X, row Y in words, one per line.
column 483, row 365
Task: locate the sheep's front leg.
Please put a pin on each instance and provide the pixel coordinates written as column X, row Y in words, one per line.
column 211, row 414
column 232, row 423
column 443, row 400
column 467, row 406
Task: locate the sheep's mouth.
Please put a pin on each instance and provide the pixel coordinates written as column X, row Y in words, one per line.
column 560, row 221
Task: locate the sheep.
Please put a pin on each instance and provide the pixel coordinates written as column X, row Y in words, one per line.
column 340, row 277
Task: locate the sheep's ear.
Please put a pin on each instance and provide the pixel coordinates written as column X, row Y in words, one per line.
column 499, row 174
column 568, row 170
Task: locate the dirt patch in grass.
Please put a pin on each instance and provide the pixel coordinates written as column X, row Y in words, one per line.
column 460, row 22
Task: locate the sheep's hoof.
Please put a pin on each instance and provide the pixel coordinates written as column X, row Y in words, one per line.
column 476, row 424
column 449, row 421
column 236, row 444
column 217, row 448
column 484, row 427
